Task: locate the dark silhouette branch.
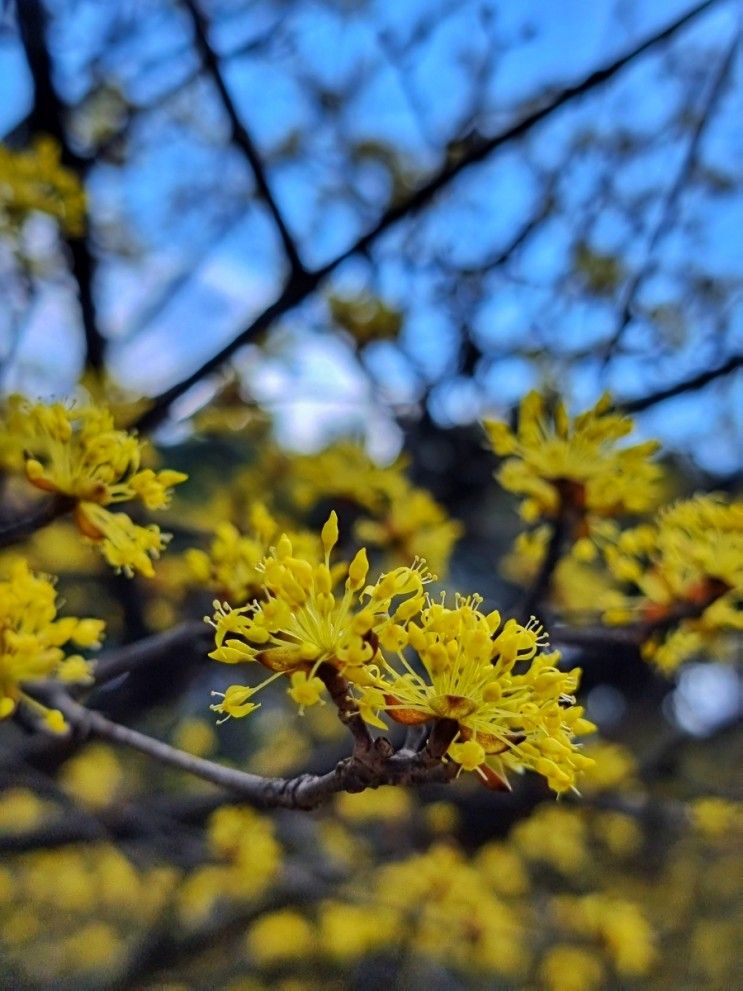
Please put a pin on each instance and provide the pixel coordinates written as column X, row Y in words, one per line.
column 301, row 284
column 669, row 212
column 306, row 791
column 540, row 587
column 685, row 385
column 148, row 651
column 239, row 133
column 20, row 529
column 47, row 117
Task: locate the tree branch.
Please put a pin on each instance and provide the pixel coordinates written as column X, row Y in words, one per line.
column 540, row 587
column 48, row 512
column 139, row 654
column 47, row 117
column 301, row 284
column 348, row 712
column 685, row 385
column 306, row 791
column 668, row 212
column 239, row 134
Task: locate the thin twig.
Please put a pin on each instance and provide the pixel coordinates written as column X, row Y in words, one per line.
column 239, row 133
column 685, row 385
column 306, row 791
column 669, row 212
column 147, row 651
column 540, row 587
column 348, row 712
column 48, row 117
column 301, row 284
column 26, row 526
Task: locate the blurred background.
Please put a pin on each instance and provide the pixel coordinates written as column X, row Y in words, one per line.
column 377, row 221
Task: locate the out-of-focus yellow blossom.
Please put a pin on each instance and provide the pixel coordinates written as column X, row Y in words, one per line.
column 613, row 765
column 35, row 181
column 560, row 464
column 343, row 848
column 93, row 776
column 22, row 926
column 581, row 587
column 553, row 836
column 249, row 856
column 441, row 818
column 414, row 524
column 388, row 804
column 343, row 471
column 688, row 568
column 618, row 924
column 715, row 817
column 449, row 913
column 196, row 736
column 365, row 317
column 21, row 809
column 280, row 936
column 241, row 835
column 95, row 947
column 283, row 746
column 347, row 931
column 32, row 638
column 620, row 833
column 232, row 565
column 513, row 708
column 302, row 623
column 571, row 968
column 399, row 518
column 501, row 866
column 76, row 452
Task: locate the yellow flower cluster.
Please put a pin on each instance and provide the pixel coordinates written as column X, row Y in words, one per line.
column 617, row 925
column 68, row 914
column 78, row 453
column 232, row 564
column 553, row 836
column 302, row 623
column 94, row 776
column 365, row 317
column 32, row 639
column 449, row 912
column 400, row 518
column 248, row 858
column 35, row 181
column 513, row 708
column 510, row 705
column 688, row 568
column 581, row 585
column 434, row 905
column 558, row 464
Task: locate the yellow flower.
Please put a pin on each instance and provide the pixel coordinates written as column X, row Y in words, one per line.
column 511, row 705
column 688, row 568
column 93, row 776
column 302, row 623
column 570, row 968
column 715, row 817
column 279, row 936
column 414, row 522
column 619, row 925
column 76, row 452
column 32, row 638
column 388, row 804
column 553, row 836
column 559, row 463
column 232, row 565
column 35, row 181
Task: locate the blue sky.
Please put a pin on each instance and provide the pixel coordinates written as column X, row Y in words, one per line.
column 168, row 225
